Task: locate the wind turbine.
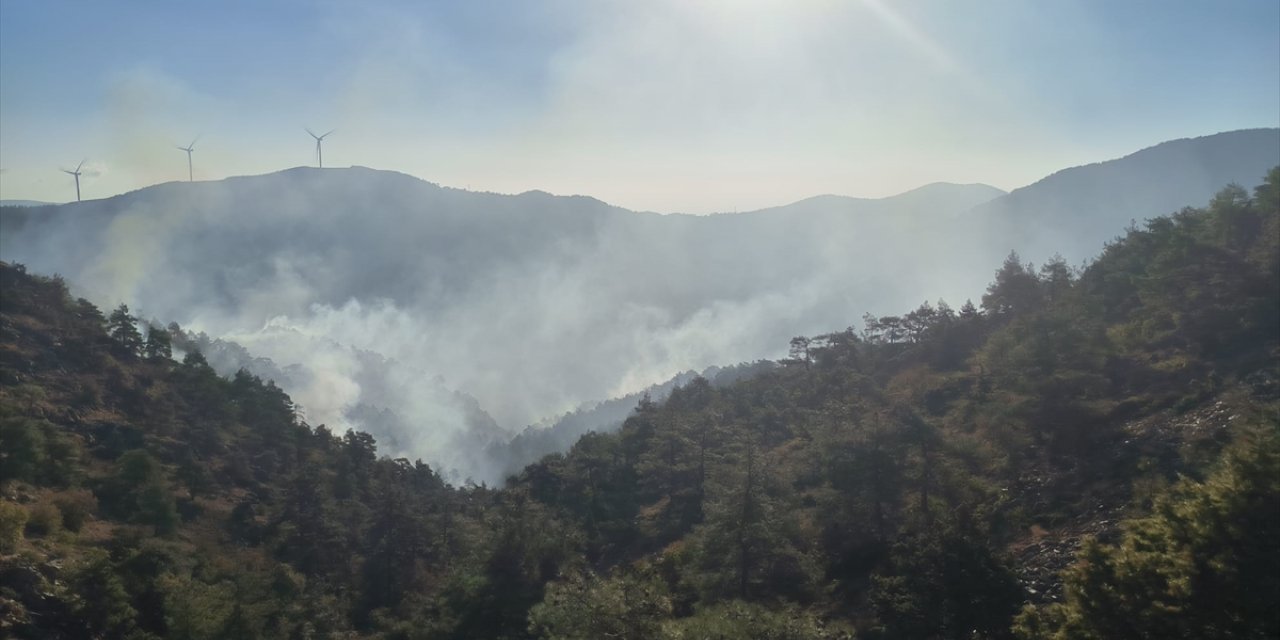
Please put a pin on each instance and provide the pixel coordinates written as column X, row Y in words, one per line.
column 76, row 173
column 189, row 148
column 319, row 156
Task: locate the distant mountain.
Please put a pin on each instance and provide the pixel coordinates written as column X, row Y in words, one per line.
column 1076, row 210
column 533, row 304
column 937, row 196
column 23, row 203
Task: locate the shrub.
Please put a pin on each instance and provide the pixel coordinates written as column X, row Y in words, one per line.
column 42, row 520
column 12, row 519
column 76, row 507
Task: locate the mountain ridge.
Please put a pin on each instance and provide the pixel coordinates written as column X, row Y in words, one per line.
column 488, row 291
column 1134, row 187
column 1178, row 144
column 307, row 173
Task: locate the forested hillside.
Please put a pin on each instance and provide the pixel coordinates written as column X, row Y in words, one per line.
column 926, row 475
column 361, row 284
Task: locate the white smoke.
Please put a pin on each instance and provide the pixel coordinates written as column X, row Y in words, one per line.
column 442, row 321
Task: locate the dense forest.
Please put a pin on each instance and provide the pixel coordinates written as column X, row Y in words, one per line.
column 1085, row 453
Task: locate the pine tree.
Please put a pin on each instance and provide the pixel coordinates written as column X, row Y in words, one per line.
column 1015, row 291
column 159, row 344
column 122, row 328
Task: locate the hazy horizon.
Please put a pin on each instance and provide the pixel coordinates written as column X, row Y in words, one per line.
column 667, row 107
column 996, row 191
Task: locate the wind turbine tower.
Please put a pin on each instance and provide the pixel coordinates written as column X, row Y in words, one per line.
column 189, row 148
column 76, row 173
column 319, row 155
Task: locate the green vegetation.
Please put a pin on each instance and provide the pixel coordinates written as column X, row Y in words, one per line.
column 906, row 480
column 1204, row 564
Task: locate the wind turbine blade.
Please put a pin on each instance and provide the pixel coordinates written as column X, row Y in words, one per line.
column 330, row 131
column 313, row 134
column 194, row 140
column 81, row 164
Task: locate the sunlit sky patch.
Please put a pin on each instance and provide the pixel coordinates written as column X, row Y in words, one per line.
column 665, row 105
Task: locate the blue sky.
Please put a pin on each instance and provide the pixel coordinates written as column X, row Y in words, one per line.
column 670, row 105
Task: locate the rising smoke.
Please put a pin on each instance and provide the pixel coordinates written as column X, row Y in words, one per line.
column 443, row 321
